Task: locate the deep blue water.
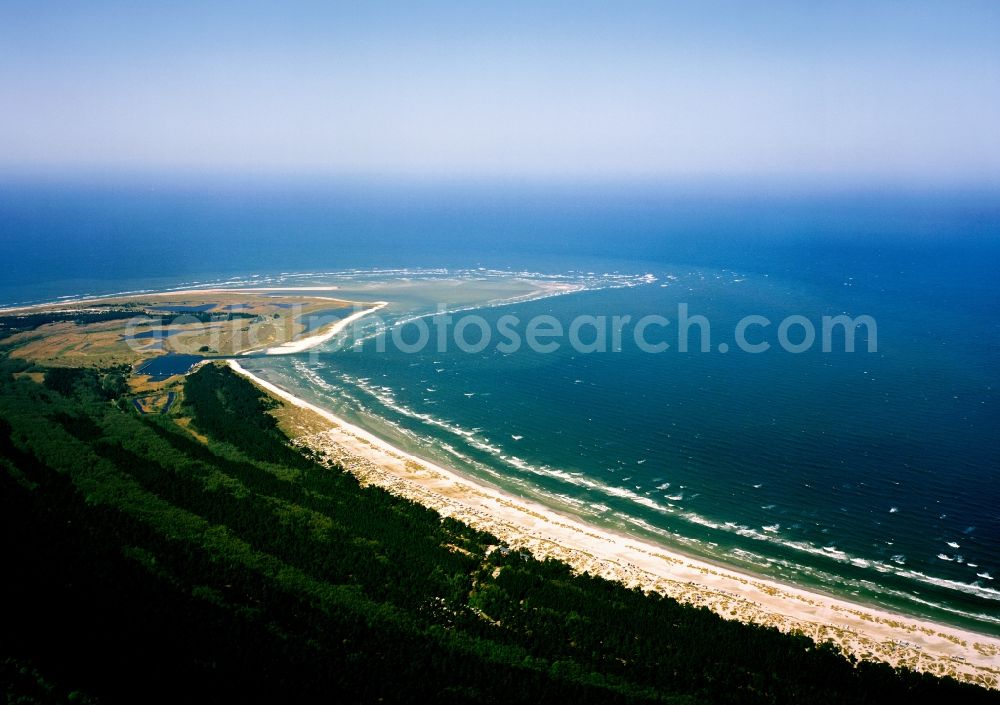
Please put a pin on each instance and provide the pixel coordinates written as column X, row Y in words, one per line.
column 66, row 239
column 856, row 473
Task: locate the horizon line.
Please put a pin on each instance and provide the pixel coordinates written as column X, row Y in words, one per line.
column 749, row 181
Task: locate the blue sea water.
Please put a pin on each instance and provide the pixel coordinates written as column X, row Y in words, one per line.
column 873, row 475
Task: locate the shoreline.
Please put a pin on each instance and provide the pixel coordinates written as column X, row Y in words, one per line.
column 303, row 344
column 865, row 632
column 544, row 290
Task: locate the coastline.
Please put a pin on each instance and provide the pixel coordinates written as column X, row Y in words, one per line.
column 295, row 346
column 864, row 632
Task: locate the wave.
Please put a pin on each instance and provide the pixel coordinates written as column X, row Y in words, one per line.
column 591, row 282
column 767, row 534
column 589, row 495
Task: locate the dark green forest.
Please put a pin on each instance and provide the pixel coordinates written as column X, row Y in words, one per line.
column 16, row 323
column 98, row 313
column 142, row 565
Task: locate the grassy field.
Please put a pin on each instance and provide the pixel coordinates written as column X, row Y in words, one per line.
column 132, row 330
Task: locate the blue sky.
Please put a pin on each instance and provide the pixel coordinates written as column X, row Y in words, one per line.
column 852, row 91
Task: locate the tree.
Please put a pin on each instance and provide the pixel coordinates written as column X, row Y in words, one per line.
column 114, row 385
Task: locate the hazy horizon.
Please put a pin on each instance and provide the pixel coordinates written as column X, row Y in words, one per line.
column 859, row 93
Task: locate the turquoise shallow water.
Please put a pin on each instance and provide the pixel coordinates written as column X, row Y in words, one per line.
column 870, row 475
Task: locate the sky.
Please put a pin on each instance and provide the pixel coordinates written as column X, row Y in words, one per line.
column 852, row 91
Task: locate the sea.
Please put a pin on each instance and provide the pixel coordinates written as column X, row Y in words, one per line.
column 871, row 474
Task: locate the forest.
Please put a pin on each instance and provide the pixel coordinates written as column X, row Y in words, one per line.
column 198, row 557
column 20, row 322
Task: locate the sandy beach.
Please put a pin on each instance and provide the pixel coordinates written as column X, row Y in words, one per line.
column 328, row 333
column 861, row 631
